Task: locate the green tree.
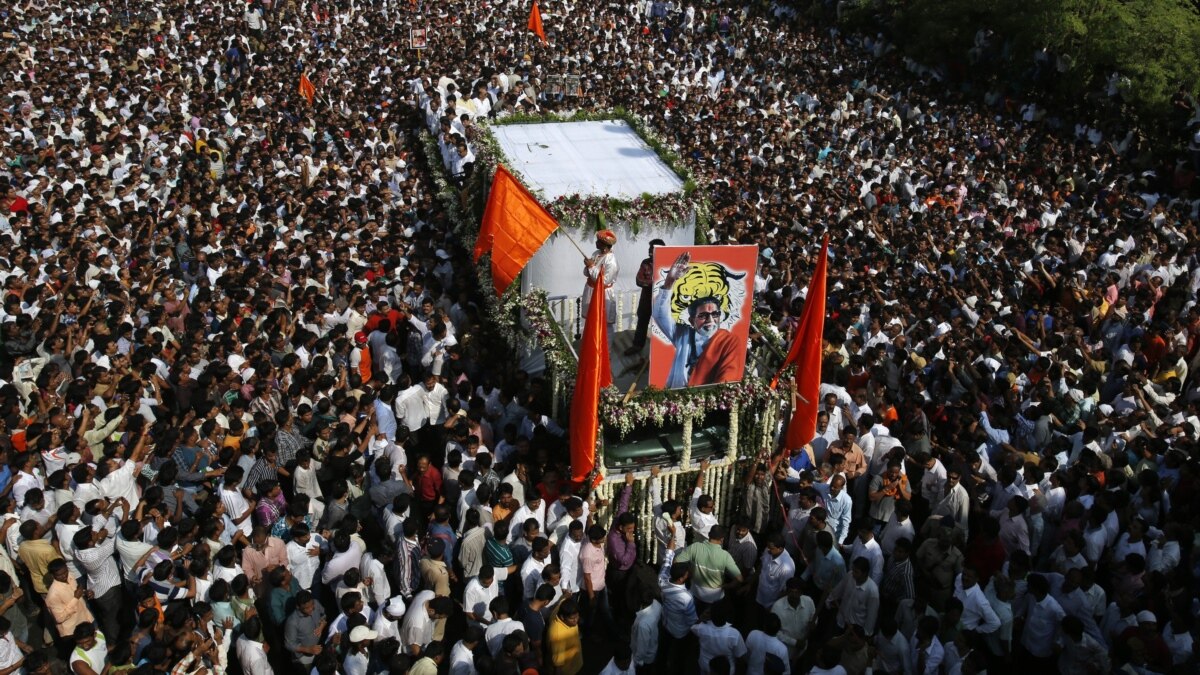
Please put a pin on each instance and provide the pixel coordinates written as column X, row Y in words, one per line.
column 1153, row 43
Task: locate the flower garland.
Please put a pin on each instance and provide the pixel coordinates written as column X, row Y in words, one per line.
column 596, row 211
column 659, row 406
column 525, row 320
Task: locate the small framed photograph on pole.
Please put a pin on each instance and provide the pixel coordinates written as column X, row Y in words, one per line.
column 418, row 38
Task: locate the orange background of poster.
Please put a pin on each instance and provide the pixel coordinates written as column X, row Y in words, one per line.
column 737, row 259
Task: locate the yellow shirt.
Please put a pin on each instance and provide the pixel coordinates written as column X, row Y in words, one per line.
column 566, row 650
column 37, row 554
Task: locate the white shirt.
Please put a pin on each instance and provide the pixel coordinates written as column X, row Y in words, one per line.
column 701, row 522
column 525, row 513
column 718, row 641
column 773, row 577
column 252, row 657
column 236, row 505
column 613, row 669
column 23, row 483
column 568, row 556
column 496, row 633
column 891, row 654
column 386, row 626
column 10, row 653
column 933, row 482
column 874, row 555
column 857, row 604
column 977, row 614
column 1042, row 625
column 122, row 483
column 380, row 589
column 1180, row 644
column 477, row 598
column 759, row 645
column 644, row 638
column 934, row 654
column 418, row 627
column 356, row 663
column 462, row 660
column 531, row 575
column 303, row 566
column 895, row 531
column 796, row 620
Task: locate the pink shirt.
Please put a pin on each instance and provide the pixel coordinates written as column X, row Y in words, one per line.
column 593, row 563
column 254, row 562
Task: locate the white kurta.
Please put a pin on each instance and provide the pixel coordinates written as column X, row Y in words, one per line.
column 608, row 263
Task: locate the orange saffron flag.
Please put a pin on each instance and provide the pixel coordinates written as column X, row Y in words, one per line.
column 514, row 227
column 535, row 22
column 805, row 354
column 307, row 90
column 595, row 373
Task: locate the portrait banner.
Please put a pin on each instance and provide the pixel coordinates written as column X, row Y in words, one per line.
column 701, row 304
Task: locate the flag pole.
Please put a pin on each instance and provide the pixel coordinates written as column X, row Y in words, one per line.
column 573, row 242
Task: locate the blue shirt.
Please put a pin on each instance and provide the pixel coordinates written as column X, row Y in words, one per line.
column 840, row 509
column 679, row 608
column 386, row 419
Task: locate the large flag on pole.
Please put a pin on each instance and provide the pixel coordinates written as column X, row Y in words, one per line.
column 514, row 227
column 805, row 354
column 595, row 373
column 535, row 22
column 307, row 90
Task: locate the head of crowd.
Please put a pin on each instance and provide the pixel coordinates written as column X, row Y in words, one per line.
column 253, row 416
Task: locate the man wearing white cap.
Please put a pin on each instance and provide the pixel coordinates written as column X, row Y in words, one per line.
column 358, row 658
column 387, row 624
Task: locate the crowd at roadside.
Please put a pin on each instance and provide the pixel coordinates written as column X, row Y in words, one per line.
column 253, row 418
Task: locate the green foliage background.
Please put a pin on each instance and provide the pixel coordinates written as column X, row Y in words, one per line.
column 1153, row 43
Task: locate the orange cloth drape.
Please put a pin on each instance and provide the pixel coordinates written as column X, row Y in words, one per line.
column 595, row 373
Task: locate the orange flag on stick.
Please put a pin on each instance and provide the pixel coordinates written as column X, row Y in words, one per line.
column 307, row 90
column 535, row 22
column 514, row 227
column 595, row 373
column 805, row 354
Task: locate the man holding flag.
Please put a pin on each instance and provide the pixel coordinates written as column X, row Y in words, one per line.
column 601, row 272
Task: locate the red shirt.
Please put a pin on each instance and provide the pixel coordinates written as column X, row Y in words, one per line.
column 987, row 558
column 429, row 485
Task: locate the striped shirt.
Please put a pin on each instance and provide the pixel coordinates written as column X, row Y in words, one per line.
column 99, row 561
column 262, row 470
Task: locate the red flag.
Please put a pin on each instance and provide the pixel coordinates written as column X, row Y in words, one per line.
column 806, row 355
column 514, row 227
column 595, row 373
column 535, row 22
column 307, row 90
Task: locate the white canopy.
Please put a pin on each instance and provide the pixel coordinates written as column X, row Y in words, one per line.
column 585, row 158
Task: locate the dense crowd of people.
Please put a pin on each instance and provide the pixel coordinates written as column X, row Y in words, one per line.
column 253, row 419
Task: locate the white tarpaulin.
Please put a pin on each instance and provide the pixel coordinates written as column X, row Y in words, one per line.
column 585, row 158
